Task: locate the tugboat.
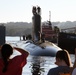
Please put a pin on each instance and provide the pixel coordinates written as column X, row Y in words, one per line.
column 50, row 32
column 37, row 45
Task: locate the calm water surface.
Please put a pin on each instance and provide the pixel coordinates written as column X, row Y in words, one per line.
column 36, row 65
column 40, row 65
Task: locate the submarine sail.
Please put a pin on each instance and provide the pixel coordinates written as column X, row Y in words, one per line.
column 36, row 20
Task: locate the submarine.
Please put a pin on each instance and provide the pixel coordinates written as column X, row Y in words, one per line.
column 36, row 44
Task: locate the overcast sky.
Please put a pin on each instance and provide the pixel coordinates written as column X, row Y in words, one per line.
column 21, row 10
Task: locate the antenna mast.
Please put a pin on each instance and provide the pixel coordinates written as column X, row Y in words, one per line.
column 49, row 15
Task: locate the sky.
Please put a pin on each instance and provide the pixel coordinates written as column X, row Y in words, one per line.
column 21, row 10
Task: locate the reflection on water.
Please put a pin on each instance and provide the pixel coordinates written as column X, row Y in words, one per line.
column 36, row 66
column 40, row 65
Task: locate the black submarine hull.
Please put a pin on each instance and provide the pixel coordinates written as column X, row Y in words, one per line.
column 44, row 49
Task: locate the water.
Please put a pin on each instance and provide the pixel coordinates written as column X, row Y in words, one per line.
column 40, row 65
column 36, row 65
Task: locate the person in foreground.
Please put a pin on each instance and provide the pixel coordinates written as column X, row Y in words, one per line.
column 74, row 66
column 63, row 62
column 12, row 66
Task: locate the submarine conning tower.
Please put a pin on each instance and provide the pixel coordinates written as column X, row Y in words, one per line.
column 36, row 21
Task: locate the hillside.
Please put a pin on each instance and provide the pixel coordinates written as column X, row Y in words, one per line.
column 24, row 28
